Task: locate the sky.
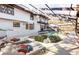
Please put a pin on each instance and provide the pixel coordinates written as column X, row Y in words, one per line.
column 53, row 3
column 52, row 6
column 40, row 1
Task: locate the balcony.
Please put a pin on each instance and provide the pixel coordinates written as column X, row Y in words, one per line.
column 41, row 22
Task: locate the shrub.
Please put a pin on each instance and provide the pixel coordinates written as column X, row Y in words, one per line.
column 55, row 39
column 44, row 36
column 40, row 38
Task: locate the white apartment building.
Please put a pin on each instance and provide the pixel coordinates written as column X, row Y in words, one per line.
column 18, row 21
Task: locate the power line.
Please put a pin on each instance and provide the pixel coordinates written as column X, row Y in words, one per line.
column 36, row 8
column 39, row 10
column 52, row 11
column 33, row 6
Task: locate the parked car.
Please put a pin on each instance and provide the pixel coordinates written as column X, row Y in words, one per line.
column 47, row 31
column 37, row 48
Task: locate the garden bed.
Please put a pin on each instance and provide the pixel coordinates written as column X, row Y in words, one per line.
column 52, row 38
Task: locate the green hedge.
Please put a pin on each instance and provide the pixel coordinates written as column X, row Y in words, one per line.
column 40, row 38
column 55, row 39
column 44, row 36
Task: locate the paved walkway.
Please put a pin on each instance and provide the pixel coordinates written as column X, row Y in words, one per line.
column 65, row 47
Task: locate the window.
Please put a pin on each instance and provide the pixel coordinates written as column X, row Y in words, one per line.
column 6, row 9
column 31, row 17
column 31, row 26
column 16, row 24
column 41, row 26
column 26, row 25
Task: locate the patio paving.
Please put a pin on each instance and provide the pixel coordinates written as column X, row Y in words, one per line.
column 65, row 47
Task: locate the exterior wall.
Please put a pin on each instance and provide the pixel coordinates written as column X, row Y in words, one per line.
column 44, row 26
column 18, row 31
column 18, row 15
column 7, row 23
column 37, row 25
column 2, row 33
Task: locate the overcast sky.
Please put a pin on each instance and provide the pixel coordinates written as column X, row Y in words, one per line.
column 53, row 3
column 40, row 1
column 52, row 6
